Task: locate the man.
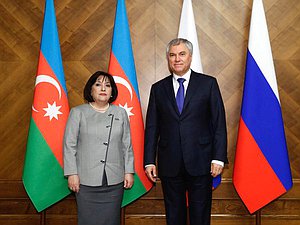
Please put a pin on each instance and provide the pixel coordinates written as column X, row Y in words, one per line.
column 186, row 127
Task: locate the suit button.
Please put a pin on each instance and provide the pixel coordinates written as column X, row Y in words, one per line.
column 105, row 143
column 102, row 161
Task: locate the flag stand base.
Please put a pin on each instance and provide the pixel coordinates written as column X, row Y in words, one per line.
column 123, row 216
column 258, row 217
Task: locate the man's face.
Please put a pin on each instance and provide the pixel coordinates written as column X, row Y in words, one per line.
column 179, row 59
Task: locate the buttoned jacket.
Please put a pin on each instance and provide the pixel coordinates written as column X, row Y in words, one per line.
column 194, row 137
column 94, row 142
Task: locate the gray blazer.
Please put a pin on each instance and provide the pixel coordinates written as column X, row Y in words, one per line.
column 95, row 142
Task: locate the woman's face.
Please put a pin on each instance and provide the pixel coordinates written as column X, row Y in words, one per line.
column 101, row 90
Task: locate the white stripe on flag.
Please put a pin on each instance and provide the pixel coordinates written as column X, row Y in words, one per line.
column 259, row 44
column 187, row 30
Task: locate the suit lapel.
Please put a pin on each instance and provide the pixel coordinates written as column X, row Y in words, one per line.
column 191, row 90
column 169, row 89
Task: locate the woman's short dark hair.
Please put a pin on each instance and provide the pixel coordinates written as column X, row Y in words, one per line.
column 92, row 80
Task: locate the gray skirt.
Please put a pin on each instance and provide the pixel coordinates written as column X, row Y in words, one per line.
column 99, row 205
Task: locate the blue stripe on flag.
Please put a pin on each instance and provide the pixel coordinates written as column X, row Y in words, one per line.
column 216, row 181
column 121, row 45
column 50, row 46
column 261, row 112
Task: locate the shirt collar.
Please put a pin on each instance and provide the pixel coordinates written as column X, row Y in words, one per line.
column 186, row 76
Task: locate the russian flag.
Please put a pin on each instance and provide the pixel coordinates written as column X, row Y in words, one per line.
column 261, row 170
column 121, row 66
column 187, row 29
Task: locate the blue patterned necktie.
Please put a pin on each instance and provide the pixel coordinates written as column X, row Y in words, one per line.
column 180, row 94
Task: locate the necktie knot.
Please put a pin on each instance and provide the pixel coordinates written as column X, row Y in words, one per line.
column 180, row 80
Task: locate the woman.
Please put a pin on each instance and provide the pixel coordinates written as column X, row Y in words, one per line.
column 98, row 156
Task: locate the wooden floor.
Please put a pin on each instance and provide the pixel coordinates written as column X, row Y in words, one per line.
column 227, row 209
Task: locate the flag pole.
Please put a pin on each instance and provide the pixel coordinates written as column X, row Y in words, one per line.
column 123, row 216
column 187, row 216
column 258, row 217
column 43, row 217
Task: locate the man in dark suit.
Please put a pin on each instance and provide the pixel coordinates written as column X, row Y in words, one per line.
column 186, row 129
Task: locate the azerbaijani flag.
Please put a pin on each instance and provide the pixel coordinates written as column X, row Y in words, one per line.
column 121, row 66
column 187, row 30
column 262, row 170
column 43, row 168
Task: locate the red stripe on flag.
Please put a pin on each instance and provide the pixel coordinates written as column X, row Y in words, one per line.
column 136, row 120
column 49, row 91
column 253, row 177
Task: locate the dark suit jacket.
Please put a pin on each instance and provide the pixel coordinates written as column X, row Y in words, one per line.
column 195, row 137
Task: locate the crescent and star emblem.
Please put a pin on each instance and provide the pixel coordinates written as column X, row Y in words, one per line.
column 120, row 80
column 52, row 110
column 124, row 82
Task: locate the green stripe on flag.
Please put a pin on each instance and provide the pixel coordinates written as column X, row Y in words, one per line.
column 42, row 176
column 135, row 192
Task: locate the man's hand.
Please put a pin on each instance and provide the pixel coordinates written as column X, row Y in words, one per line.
column 151, row 172
column 216, row 169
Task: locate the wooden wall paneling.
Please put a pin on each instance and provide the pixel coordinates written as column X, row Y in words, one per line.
column 85, row 30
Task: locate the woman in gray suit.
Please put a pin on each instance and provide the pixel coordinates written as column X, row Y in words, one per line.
column 98, row 156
